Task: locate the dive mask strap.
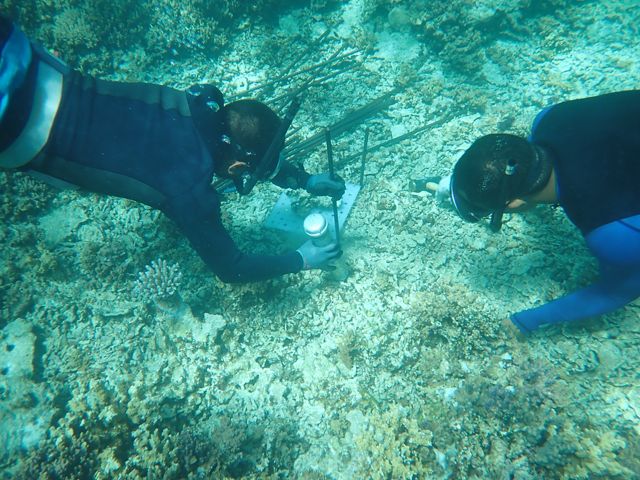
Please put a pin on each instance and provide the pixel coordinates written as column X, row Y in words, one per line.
column 496, row 217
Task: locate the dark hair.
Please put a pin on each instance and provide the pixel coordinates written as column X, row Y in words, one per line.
column 481, row 177
column 251, row 124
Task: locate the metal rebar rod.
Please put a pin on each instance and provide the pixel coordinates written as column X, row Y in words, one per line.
column 364, row 156
column 293, row 131
column 351, row 119
column 313, row 82
column 395, row 140
column 333, row 59
column 332, row 175
column 306, row 51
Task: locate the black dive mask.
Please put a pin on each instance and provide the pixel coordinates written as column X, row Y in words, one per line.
column 268, row 166
column 240, row 182
column 271, row 161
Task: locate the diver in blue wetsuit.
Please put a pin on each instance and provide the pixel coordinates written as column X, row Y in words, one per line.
column 585, row 156
column 173, row 150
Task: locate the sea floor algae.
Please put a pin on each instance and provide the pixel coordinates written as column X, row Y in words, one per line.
column 402, row 370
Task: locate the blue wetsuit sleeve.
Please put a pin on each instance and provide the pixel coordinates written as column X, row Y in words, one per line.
column 15, row 58
column 536, row 121
column 207, row 235
column 617, row 247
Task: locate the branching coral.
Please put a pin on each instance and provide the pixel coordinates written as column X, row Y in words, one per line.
column 99, row 33
column 159, row 281
column 22, row 196
column 78, row 448
column 458, row 31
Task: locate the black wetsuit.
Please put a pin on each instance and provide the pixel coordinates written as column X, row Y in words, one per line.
column 156, row 145
column 595, row 147
column 595, row 143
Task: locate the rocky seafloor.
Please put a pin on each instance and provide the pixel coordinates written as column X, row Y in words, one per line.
column 403, row 370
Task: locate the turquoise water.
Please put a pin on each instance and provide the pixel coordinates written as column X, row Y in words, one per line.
column 401, row 371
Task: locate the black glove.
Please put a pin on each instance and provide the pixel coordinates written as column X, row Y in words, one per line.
column 322, row 185
column 317, row 257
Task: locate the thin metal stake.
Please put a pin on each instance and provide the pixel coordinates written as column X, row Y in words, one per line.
column 364, row 156
column 334, row 202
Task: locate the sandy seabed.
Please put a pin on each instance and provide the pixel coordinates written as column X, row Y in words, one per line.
column 403, row 370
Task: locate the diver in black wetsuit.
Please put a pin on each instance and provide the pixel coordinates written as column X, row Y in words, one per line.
column 170, row 149
column 585, row 156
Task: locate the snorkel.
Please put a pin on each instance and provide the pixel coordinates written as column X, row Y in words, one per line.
column 495, row 224
column 536, row 178
column 494, row 171
column 268, row 166
column 474, row 213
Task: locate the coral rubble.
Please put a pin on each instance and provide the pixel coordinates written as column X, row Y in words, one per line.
column 401, row 371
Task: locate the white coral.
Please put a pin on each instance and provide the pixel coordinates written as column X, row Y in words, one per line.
column 159, row 281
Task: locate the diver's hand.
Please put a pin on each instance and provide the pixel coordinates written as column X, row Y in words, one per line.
column 511, row 331
column 431, row 187
column 437, row 186
column 427, row 184
column 322, row 185
column 317, row 257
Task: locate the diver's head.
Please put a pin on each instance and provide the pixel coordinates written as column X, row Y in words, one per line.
column 249, row 129
column 495, row 170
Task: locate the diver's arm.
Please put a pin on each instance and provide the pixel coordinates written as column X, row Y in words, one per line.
column 617, row 247
column 602, row 297
column 291, row 176
column 217, row 249
column 320, row 184
column 440, row 187
column 15, row 58
column 6, row 28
